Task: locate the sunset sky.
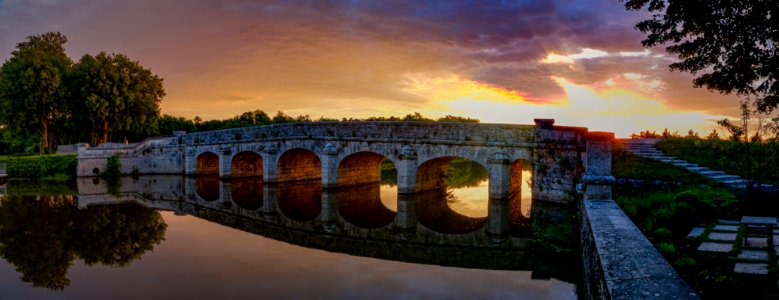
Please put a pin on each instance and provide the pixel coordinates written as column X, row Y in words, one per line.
column 579, row 62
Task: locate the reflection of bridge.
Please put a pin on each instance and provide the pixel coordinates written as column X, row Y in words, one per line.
column 338, row 223
column 355, row 211
column 350, row 153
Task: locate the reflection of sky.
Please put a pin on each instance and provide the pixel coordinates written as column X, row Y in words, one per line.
column 473, row 201
column 203, row 260
column 389, row 196
column 527, row 190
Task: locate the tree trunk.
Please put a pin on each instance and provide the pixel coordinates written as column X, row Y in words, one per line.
column 44, row 136
column 105, row 131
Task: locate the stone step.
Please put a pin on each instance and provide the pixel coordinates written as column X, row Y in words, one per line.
column 723, row 177
column 686, row 165
column 711, row 173
column 698, row 169
column 648, row 153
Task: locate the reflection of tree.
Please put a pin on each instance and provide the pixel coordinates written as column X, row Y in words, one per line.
column 33, row 237
column 115, row 235
column 41, row 235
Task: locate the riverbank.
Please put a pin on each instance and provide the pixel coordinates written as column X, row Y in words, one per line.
column 50, row 167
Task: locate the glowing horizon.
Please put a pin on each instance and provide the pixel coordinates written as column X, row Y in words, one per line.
column 497, row 62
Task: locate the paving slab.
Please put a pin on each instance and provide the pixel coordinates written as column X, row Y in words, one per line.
column 751, row 268
column 729, row 222
column 715, row 247
column 757, row 242
column 722, row 236
column 760, row 255
column 696, row 232
column 730, row 228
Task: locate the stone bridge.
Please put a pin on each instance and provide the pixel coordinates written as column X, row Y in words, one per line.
column 618, row 262
column 342, row 154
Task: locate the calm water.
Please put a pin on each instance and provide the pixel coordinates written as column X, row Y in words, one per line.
column 169, row 237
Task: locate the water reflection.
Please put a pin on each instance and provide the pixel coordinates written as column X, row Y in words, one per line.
column 207, row 187
column 435, row 212
column 246, row 192
column 341, row 220
column 300, row 200
column 363, row 207
column 42, row 236
column 371, row 221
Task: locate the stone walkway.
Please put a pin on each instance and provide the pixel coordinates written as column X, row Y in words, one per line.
column 646, row 148
column 754, row 257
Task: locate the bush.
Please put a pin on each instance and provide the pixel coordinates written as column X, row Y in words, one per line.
column 112, row 168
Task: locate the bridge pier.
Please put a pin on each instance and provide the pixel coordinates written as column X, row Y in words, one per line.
column 330, row 166
column 500, row 176
column 270, row 160
column 190, row 162
column 225, row 159
column 407, row 171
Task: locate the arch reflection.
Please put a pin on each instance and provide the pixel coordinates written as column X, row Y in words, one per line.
column 363, row 207
column 207, row 187
column 300, row 200
column 247, row 192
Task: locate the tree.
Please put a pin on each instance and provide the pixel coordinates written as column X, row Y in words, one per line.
column 168, row 124
column 31, row 87
column 730, row 45
column 120, row 97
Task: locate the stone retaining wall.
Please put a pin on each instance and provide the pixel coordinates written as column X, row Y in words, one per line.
column 619, row 262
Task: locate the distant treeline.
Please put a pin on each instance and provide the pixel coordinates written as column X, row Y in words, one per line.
column 168, row 123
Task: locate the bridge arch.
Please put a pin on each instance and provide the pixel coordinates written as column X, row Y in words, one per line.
column 360, row 199
column 520, row 195
column 362, row 167
column 246, row 164
column 298, row 164
column 207, row 163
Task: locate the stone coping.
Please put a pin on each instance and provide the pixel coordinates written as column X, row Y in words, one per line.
column 620, row 262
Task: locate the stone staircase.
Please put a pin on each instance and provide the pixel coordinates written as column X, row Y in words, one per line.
column 646, row 148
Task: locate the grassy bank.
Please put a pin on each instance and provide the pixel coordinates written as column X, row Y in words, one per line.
column 753, row 161
column 59, row 167
column 627, row 165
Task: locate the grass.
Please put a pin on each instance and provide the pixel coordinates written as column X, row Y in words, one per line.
column 57, row 167
column 41, row 187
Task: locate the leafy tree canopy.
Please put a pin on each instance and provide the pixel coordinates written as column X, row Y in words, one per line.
column 730, row 45
column 31, row 87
